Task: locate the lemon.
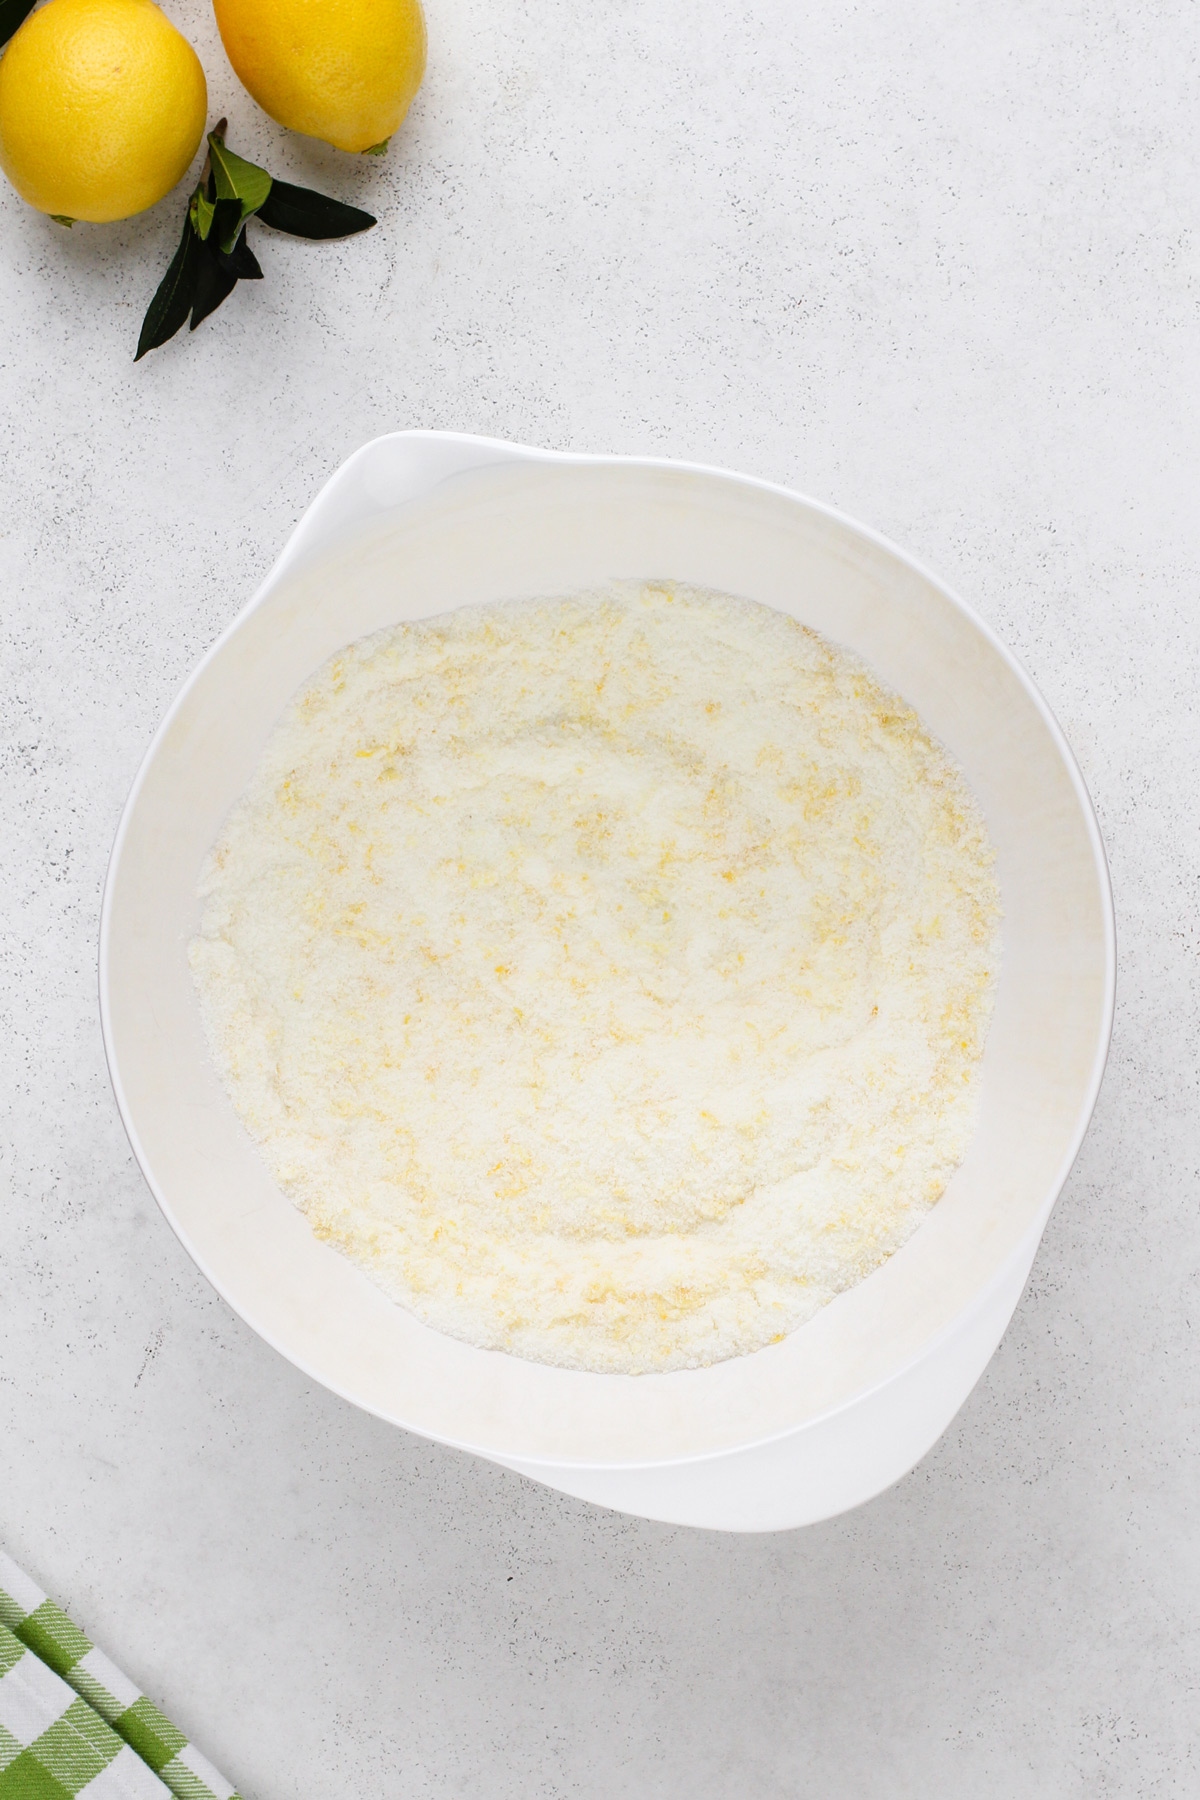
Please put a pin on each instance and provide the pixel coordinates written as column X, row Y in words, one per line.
column 342, row 70
column 102, row 107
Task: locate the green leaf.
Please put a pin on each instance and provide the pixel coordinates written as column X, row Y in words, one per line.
column 227, row 223
column 237, row 179
column 305, row 213
column 241, row 261
column 62, row 219
column 202, row 210
column 214, row 283
column 176, row 291
column 13, row 14
column 379, row 149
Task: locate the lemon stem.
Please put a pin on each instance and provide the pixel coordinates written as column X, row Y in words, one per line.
column 218, row 131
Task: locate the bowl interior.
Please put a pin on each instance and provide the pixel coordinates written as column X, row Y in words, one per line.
column 546, row 527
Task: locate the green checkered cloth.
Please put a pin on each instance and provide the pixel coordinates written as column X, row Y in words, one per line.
column 71, row 1723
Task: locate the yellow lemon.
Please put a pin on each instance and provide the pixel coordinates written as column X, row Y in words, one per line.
column 102, row 107
column 342, row 70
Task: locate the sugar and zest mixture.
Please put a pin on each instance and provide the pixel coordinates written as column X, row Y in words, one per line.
column 606, row 975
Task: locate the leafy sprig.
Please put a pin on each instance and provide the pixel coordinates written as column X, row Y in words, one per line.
column 213, row 255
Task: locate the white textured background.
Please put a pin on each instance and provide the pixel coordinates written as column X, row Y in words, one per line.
column 936, row 263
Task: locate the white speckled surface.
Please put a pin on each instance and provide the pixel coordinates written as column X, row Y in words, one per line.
column 937, row 264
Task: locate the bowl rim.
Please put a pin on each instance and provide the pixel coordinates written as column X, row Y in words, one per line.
column 304, row 544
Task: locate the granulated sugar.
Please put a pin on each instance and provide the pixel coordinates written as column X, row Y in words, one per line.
column 606, row 975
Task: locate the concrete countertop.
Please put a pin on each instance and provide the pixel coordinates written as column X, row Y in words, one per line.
column 935, row 264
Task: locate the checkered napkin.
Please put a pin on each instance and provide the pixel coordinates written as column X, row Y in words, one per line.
column 71, row 1723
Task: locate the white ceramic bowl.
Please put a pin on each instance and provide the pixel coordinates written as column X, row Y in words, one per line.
column 422, row 522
